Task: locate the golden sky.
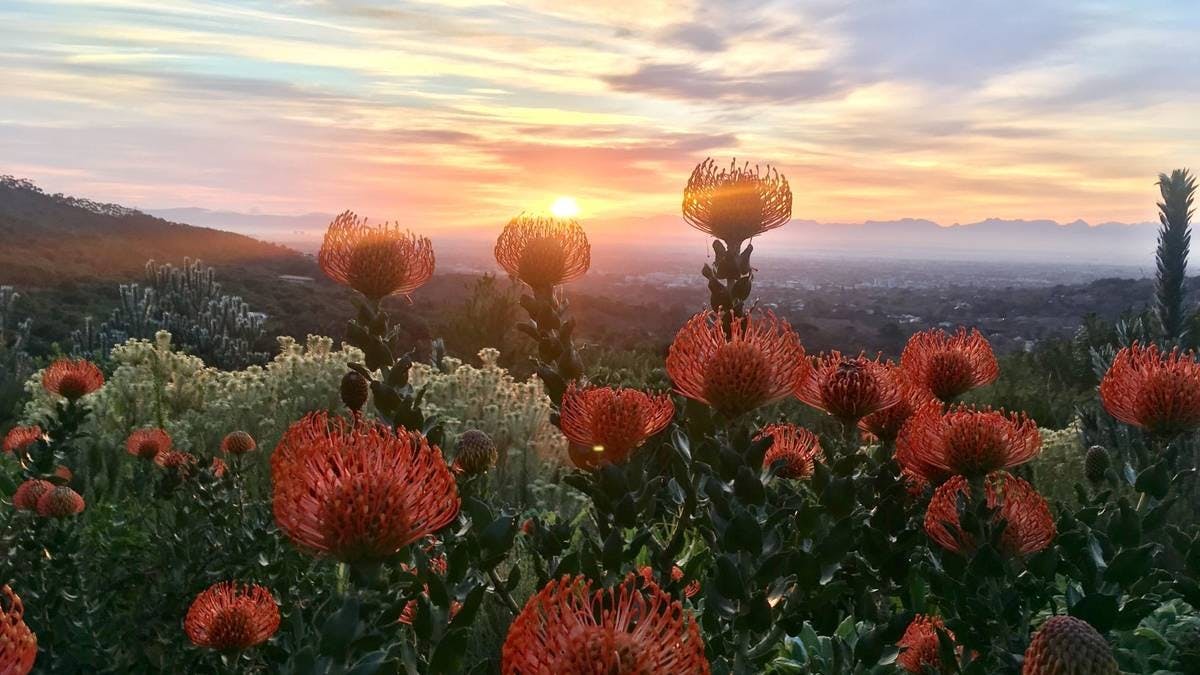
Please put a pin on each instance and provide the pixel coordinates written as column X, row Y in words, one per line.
column 460, row 114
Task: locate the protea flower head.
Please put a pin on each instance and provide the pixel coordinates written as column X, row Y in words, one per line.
column 1065, row 645
column 848, row 388
column 760, row 361
column 737, row 203
column 375, row 260
column 438, row 565
column 238, row 443
column 1028, row 525
column 29, row 492
column 474, row 452
column 18, row 644
column 62, row 475
column 884, row 426
column 919, row 649
column 177, row 461
column 72, row 378
column 965, row 440
column 355, row 390
column 543, row 252
column 21, row 437
column 60, row 502
column 568, row 628
column 148, row 443
column 691, row 590
column 949, row 365
column 359, row 492
column 1153, row 390
column 231, row 617
column 796, row 448
column 218, row 467
column 606, row 424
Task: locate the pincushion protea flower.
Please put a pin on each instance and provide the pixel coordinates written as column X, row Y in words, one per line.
column 605, row 424
column 148, row 443
column 1065, row 645
column 919, row 649
column 965, row 440
column 438, row 565
column 29, row 492
column 1028, row 528
column 543, row 252
column 1153, row 390
column 848, row 388
column 218, row 467
column 19, row 438
column 885, row 425
column 949, row 365
column 691, row 590
column 176, row 460
column 231, row 617
column 72, row 378
column 18, row 644
column 760, row 361
column 60, row 502
column 376, row 261
column 795, row 447
column 359, row 492
column 737, row 203
column 635, row 627
column 238, row 443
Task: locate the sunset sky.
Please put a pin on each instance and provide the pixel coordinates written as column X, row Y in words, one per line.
column 459, row 114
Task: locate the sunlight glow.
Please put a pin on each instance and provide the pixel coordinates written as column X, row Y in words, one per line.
column 565, row 207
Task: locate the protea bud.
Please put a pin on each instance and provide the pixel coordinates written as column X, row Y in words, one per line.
column 238, row 443
column 1065, row 645
column 355, row 390
column 1096, row 464
column 474, row 452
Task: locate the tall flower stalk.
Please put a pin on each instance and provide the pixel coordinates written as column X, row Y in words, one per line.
column 1174, row 240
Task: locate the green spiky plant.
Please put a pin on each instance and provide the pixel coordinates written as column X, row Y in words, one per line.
column 1174, row 239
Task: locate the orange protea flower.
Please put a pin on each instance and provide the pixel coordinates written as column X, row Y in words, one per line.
column 605, row 424
column 72, row 378
column 19, row 438
column 848, row 388
column 18, row 644
column 60, row 502
column 569, row 629
column 1153, row 390
column 28, row 493
column 64, row 474
column 1028, row 528
column 218, row 467
column 736, row 204
column 176, row 460
column 949, row 365
column 796, row 447
column 148, row 443
column 759, row 362
column 438, row 565
column 885, row 425
column 689, row 591
column 238, row 443
column 1065, row 645
column 543, row 252
column 359, row 492
column 919, row 645
column 376, row 261
column 965, row 440
column 232, row 617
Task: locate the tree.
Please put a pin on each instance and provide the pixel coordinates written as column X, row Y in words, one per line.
column 1173, row 242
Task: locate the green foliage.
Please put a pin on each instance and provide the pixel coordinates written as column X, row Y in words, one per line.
column 1174, row 239
column 15, row 362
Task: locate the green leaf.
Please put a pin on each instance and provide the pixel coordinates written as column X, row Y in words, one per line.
column 341, row 629
column 1154, row 480
column 1130, row 564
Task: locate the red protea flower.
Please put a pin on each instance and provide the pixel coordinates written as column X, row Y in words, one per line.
column 1028, row 528
column 885, row 425
column 218, row 468
column 63, row 474
column 949, row 365
column 760, row 361
column 238, row 443
column 72, row 378
column 1153, row 390
column 965, row 440
column 1065, row 645
column 19, row 438
column 919, row 645
column 796, row 447
column 359, row 492
column 691, row 590
column 848, row 388
column 636, row 627
column 737, row 203
column 60, row 502
column 176, row 460
column 605, row 424
column 232, row 617
column 543, row 252
column 18, row 644
column 376, row 261
column 28, row 493
column 148, row 443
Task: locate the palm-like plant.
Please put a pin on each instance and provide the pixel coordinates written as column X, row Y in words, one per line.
column 1175, row 210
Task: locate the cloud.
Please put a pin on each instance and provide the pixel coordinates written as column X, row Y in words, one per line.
column 692, row 83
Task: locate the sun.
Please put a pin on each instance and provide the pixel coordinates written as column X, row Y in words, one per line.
column 565, row 207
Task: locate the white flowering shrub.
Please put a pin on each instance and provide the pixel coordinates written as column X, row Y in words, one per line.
column 1060, row 466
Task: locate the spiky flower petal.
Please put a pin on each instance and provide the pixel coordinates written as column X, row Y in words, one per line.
column 848, row 388
column 1028, row 525
column 884, row 426
column 794, row 448
column 965, row 440
column 919, row 646
column 1153, row 390
column 148, row 443
column 949, row 365
column 377, row 261
column 72, row 378
column 543, row 252
column 606, row 424
column 737, row 203
column 18, row 438
column 1065, row 645
column 18, row 644
column 232, row 617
